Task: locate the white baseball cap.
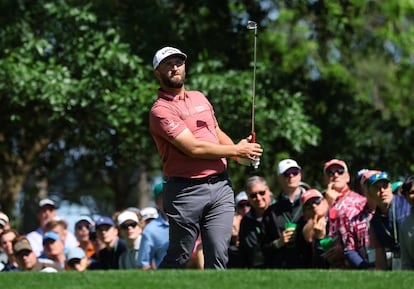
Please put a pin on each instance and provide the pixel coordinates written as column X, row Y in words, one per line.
column 149, row 213
column 127, row 215
column 4, row 219
column 165, row 52
column 242, row 196
column 286, row 164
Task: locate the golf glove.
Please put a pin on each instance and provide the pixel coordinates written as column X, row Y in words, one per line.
column 247, row 162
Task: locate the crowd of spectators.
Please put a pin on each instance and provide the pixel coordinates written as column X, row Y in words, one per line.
column 368, row 226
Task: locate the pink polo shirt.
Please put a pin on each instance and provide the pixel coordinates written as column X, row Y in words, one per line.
column 169, row 117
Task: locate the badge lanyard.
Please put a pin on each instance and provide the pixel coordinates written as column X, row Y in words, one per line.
column 394, row 224
column 296, row 215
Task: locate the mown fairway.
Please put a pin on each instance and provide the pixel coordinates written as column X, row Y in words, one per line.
column 251, row 279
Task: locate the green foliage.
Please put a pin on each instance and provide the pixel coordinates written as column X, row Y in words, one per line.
column 334, row 79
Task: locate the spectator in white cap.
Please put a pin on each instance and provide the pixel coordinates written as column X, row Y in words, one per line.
column 148, row 214
column 284, row 245
column 45, row 213
column 130, row 230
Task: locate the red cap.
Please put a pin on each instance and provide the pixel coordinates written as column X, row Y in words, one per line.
column 335, row 162
column 367, row 175
column 309, row 194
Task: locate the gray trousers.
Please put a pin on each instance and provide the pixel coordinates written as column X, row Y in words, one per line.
column 198, row 208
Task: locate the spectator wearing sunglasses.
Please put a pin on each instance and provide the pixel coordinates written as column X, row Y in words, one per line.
column 391, row 210
column 130, row 228
column 342, row 200
column 315, row 208
column 406, row 235
column 282, row 246
column 251, row 228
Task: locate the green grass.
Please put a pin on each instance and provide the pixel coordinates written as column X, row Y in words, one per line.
column 193, row 279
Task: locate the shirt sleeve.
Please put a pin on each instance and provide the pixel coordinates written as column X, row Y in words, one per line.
column 145, row 250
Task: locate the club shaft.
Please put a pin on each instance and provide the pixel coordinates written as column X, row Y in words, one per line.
column 254, row 84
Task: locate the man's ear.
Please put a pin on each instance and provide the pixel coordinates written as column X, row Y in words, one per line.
column 157, row 74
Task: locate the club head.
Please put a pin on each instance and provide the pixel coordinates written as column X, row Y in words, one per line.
column 251, row 25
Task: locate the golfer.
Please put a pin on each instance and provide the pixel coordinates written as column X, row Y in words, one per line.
column 198, row 195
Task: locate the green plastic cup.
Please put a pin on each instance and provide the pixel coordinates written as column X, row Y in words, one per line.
column 290, row 225
column 326, row 243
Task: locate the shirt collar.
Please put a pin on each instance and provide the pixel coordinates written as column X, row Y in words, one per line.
column 169, row 96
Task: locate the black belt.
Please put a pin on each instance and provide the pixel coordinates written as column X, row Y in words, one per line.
column 212, row 179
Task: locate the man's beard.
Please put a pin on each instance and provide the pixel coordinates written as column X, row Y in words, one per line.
column 170, row 82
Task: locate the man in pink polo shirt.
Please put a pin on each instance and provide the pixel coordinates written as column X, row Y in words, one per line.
column 198, row 195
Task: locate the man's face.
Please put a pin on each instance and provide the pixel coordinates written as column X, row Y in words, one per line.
column 53, row 247
column 381, row 193
column 290, row 179
column 26, row 259
column 46, row 214
column 259, row 196
column 107, row 234
column 337, row 175
column 171, row 72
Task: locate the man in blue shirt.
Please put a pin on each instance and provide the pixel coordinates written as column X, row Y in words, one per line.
column 155, row 236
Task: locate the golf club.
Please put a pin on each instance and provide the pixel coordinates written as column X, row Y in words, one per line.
column 251, row 25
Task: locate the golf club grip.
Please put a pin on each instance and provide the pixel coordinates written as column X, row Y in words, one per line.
column 253, row 140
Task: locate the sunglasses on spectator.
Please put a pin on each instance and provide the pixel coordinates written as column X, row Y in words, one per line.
column 80, row 226
column 332, row 172
column 293, row 172
column 73, row 262
column 127, row 225
column 242, row 205
column 309, row 204
column 254, row 195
